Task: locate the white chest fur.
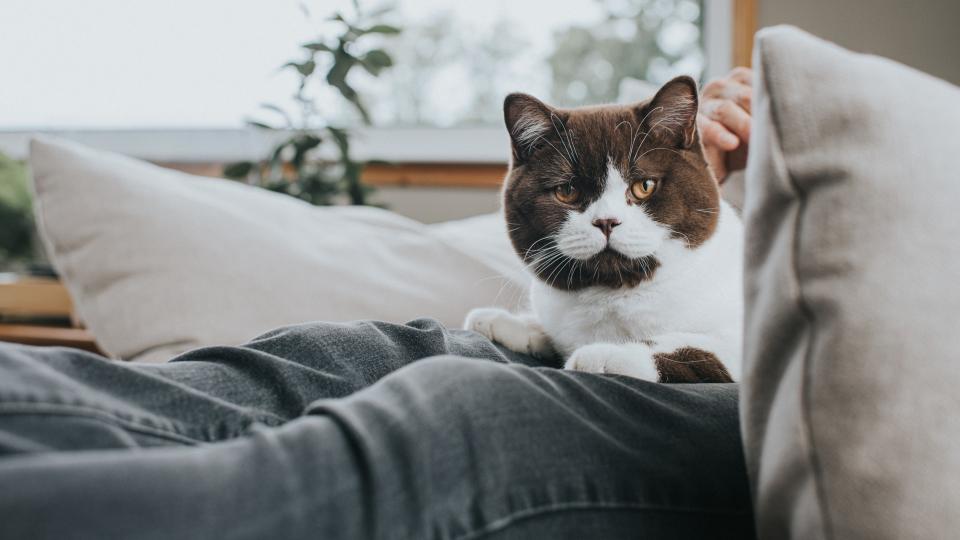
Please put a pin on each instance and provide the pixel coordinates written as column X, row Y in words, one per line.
column 694, row 291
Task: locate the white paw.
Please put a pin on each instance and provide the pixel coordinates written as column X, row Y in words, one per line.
column 632, row 359
column 590, row 358
column 516, row 333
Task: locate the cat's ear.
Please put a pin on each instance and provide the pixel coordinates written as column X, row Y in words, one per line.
column 528, row 120
column 672, row 113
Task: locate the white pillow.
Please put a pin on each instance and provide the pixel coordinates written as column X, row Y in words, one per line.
column 159, row 261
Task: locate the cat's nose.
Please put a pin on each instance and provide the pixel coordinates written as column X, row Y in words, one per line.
column 606, row 225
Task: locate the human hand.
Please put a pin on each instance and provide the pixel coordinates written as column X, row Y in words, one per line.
column 724, row 121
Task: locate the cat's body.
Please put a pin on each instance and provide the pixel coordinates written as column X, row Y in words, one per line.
column 694, row 301
column 638, row 260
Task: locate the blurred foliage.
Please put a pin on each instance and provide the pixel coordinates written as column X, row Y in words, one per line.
column 452, row 70
column 16, row 217
column 643, row 40
column 301, row 164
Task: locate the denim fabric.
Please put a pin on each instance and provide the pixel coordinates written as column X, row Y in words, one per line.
column 361, row 430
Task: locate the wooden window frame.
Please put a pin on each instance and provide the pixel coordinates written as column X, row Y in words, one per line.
column 744, row 27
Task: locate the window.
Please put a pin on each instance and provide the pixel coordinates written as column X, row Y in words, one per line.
column 149, row 68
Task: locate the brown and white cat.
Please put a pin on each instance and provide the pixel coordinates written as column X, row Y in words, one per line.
column 638, row 260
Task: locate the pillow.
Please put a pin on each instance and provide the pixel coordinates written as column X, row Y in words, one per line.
column 851, row 350
column 159, row 261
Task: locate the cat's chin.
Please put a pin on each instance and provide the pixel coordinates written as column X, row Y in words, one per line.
column 614, row 252
column 608, row 268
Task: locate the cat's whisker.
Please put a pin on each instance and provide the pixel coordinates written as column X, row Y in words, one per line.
column 570, row 273
column 500, row 291
column 554, row 259
column 686, row 239
column 571, row 151
column 548, row 261
column 555, row 148
column 563, row 268
column 645, row 136
column 554, row 275
column 544, row 252
column 549, row 267
column 657, row 148
column 639, row 127
column 527, row 252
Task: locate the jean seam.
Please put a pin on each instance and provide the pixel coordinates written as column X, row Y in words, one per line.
column 27, row 408
column 509, row 519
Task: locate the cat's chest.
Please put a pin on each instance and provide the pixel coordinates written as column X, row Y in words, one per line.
column 573, row 319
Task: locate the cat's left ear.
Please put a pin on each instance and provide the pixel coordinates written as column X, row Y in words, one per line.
column 528, row 120
column 672, row 113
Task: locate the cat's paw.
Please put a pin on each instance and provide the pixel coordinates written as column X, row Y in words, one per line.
column 519, row 334
column 633, row 359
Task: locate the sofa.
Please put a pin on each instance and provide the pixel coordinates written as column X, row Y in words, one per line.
column 852, row 260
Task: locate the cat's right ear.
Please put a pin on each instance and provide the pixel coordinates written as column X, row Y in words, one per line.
column 528, row 120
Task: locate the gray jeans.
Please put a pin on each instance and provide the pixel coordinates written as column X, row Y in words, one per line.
column 361, row 430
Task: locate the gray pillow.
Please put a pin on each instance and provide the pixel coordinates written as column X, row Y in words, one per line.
column 158, row 261
column 852, row 350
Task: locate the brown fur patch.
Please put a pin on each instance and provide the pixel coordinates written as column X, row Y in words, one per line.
column 690, row 365
column 652, row 139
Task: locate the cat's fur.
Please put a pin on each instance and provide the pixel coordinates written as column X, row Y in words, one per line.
column 660, row 297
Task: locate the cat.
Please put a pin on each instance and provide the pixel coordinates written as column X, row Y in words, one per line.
column 637, row 259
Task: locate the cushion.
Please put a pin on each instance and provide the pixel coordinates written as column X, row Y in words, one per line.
column 852, row 351
column 158, row 261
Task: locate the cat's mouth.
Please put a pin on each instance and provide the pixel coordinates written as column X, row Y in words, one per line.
column 614, row 269
column 611, row 251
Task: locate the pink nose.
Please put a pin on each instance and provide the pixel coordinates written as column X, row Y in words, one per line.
column 606, row 225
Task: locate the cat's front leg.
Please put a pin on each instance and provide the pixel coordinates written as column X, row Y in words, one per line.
column 686, row 357
column 631, row 359
column 670, row 358
column 519, row 333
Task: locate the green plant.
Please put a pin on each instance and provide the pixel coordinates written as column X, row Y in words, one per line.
column 16, row 217
column 301, row 164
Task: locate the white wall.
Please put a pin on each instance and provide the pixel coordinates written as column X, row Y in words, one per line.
column 924, row 34
column 431, row 205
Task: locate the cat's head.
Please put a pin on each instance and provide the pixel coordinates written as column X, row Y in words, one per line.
column 595, row 194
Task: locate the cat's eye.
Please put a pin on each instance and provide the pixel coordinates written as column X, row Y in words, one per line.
column 643, row 189
column 567, row 193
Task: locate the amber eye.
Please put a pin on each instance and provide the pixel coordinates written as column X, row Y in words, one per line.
column 644, row 188
column 567, row 193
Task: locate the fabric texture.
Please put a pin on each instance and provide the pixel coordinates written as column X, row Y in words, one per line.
column 851, row 347
column 159, row 262
column 361, row 430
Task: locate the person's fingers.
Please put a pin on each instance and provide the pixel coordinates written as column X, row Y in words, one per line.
column 714, row 88
column 741, row 94
column 732, row 116
column 742, row 75
column 728, row 89
column 717, row 136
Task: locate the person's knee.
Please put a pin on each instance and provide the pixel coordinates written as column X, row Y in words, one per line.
column 469, row 382
column 447, row 368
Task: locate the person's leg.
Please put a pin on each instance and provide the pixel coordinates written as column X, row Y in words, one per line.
column 76, row 400
column 444, row 448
